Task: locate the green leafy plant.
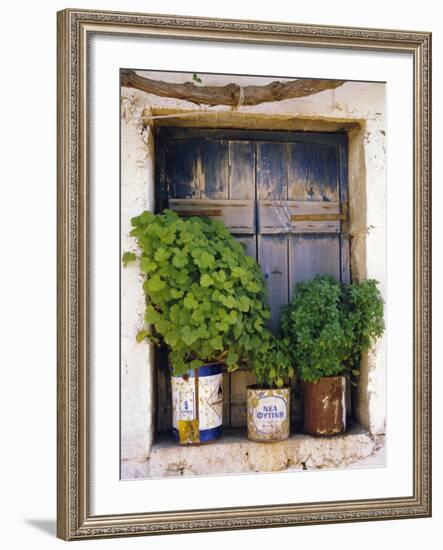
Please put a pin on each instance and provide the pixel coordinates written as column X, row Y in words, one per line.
column 362, row 319
column 205, row 296
column 272, row 363
column 329, row 325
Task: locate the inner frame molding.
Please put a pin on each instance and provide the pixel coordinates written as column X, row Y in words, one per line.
column 75, row 28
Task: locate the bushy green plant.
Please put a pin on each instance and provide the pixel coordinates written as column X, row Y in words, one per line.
column 329, row 325
column 272, row 363
column 362, row 318
column 312, row 323
column 205, row 296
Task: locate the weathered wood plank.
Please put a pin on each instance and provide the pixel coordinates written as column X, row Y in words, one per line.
column 344, row 201
column 163, row 391
column 272, row 175
column 295, row 207
column 212, row 169
column 226, row 399
column 345, row 267
column 181, row 163
column 241, row 170
column 161, row 182
column 304, row 227
column 313, row 170
column 273, row 259
column 311, row 255
column 239, row 381
column 237, row 215
column 237, row 134
column 296, row 403
column 250, row 244
column 298, row 217
column 272, row 184
column 242, row 186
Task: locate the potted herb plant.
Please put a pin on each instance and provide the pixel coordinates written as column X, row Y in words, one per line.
column 206, row 303
column 268, row 401
column 329, row 325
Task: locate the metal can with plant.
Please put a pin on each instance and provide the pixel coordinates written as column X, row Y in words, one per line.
column 268, row 401
column 205, row 301
column 329, row 325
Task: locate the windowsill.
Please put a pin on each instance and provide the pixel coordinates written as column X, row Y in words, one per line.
column 233, row 453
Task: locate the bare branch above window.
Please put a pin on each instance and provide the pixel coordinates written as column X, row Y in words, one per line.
column 230, row 94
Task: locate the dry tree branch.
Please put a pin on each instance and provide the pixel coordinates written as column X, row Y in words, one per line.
column 230, row 94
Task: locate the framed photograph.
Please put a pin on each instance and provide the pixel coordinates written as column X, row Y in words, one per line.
column 244, row 284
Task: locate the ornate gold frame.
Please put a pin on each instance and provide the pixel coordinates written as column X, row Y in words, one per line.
column 74, row 518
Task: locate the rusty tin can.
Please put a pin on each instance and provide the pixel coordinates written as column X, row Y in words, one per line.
column 268, row 414
column 324, row 406
column 197, row 405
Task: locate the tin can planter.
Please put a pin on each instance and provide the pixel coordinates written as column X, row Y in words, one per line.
column 324, row 406
column 268, row 414
column 197, row 405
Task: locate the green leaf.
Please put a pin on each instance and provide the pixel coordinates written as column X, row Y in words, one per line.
column 182, row 277
column 216, row 343
column 206, row 260
column 155, row 284
column 232, row 317
column 230, row 302
column 128, row 257
column 253, row 287
column 147, row 265
column 220, row 275
column 161, row 255
column 206, row 280
column 232, row 358
column 258, row 324
column 190, row 302
column 195, row 364
column 176, row 293
column 150, row 314
column 188, row 336
column 144, row 219
column 244, row 304
column 198, row 316
column 222, row 326
column 179, row 260
column 141, row 335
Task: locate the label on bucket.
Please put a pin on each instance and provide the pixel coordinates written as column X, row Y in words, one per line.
column 210, row 398
column 268, row 415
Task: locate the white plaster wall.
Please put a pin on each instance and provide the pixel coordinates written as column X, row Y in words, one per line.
column 137, row 194
column 362, row 104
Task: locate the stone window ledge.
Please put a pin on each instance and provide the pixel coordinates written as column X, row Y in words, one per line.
column 233, row 453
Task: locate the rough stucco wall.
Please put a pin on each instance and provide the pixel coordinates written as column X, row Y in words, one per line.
column 356, row 105
column 137, row 185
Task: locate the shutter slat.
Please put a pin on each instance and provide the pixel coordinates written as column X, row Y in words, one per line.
column 237, row 215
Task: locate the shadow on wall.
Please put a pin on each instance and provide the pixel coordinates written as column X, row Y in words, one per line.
column 48, row 526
